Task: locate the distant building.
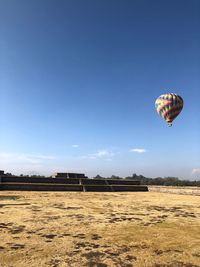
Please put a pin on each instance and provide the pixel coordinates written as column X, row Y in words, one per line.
column 1, row 172
column 68, row 175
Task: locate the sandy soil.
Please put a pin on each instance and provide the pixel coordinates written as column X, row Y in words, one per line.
column 99, row 229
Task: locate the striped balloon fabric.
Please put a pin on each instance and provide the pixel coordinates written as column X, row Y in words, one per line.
column 169, row 106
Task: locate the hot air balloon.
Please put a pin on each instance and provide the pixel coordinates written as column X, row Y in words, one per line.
column 169, row 106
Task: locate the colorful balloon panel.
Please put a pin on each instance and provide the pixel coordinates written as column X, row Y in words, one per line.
column 169, row 106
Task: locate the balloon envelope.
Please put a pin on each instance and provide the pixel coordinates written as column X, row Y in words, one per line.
column 169, row 106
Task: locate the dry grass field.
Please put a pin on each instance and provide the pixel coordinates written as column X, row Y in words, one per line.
column 40, row 229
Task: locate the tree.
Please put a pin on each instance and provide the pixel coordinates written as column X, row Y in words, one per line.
column 114, row 177
column 98, row 177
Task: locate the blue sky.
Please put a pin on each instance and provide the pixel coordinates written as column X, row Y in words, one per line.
column 78, row 82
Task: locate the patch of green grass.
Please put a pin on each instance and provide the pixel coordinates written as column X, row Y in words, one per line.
column 9, row 197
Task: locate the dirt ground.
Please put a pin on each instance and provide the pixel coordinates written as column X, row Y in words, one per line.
column 77, row 229
column 181, row 190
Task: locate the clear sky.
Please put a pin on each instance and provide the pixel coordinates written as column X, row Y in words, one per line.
column 78, row 82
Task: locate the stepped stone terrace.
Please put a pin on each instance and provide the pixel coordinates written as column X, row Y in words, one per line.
column 69, row 182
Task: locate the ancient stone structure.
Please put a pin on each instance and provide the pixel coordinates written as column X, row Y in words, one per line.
column 73, row 182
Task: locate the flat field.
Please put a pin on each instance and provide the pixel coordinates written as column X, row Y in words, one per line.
column 77, row 229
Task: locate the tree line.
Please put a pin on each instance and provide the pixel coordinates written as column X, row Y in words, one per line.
column 166, row 181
